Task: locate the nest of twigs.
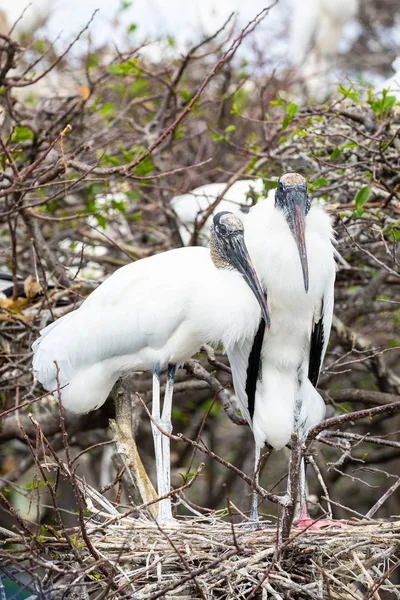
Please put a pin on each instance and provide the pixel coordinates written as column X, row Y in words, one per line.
column 112, row 555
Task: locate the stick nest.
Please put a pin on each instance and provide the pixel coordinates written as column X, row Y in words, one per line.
column 205, row 557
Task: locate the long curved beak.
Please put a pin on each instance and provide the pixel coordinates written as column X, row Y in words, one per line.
column 295, row 218
column 239, row 258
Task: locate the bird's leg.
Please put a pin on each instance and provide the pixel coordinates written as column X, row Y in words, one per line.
column 165, row 514
column 304, row 521
column 302, row 512
column 157, row 436
column 254, row 521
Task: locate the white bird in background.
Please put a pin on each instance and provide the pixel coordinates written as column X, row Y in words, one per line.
column 190, row 207
column 23, row 16
column 392, row 83
column 290, row 242
column 315, row 31
column 152, row 314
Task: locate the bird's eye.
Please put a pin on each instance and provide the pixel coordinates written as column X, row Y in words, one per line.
column 222, row 229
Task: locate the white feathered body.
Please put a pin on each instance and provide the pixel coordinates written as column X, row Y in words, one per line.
column 159, row 309
column 284, row 386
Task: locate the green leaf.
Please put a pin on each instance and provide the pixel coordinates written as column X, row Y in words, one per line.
column 101, row 221
column 349, row 93
column 106, row 109
column 335, row 153
column 234, row 109
column 393, row 344
column 187, row 96
column 125, row 68
column 285, row 122
column 178, row 132
column 230, row 128
column 21, row 134
column 132, row 27
column 292, row 109
column 320, row 181
column 120, row 206
column 349, row 145
column 361, row 196
column 216, row 137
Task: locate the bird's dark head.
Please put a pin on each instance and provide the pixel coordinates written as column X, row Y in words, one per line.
column 226, row 223
column 292, row 199
column 228, row 251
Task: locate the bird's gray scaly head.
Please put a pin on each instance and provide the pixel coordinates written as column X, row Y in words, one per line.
column 292, row 199
column 228, row 251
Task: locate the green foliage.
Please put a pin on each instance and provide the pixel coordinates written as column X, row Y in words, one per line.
column 392, row 232
column 21, row 134
column 382, row 104
column 35, row 485
column 291, row 109
column 349, row 93
column 186, row 476
column 123, row 69
column 360, row 199
column 186, row 96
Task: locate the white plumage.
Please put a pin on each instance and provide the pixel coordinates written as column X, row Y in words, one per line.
column 285, row 399
column 191, row 206
column 315, row 32
column 159, row 309
column 154, row 313
column 293, row 312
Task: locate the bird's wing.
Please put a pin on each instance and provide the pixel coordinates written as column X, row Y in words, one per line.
column 322, row 323
column 245, row 361
column 131, row 316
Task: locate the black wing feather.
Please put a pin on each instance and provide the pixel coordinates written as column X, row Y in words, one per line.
column 253, row 367
column 316, row 348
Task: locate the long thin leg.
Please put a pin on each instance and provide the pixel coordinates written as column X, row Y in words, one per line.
column 165, row 513
column 254, row 499
column 157, row 434
column 302, row 511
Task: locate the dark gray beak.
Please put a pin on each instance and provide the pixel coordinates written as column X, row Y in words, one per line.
column 296, row 203
column 239, row 258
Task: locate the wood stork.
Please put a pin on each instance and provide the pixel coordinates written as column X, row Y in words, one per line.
column 315, row 32
column 191, row 206
column 152, row 314
column 290, row 242
column 24, row 17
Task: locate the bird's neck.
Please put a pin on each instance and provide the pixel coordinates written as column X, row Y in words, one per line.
column 218, row 260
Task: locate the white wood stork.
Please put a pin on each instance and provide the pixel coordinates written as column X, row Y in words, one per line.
column 315, row 32
column 152, row 314
column 24, row 16
column 290, row 242
column 191, row 206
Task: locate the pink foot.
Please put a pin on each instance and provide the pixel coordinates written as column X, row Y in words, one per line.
column 306, row 523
